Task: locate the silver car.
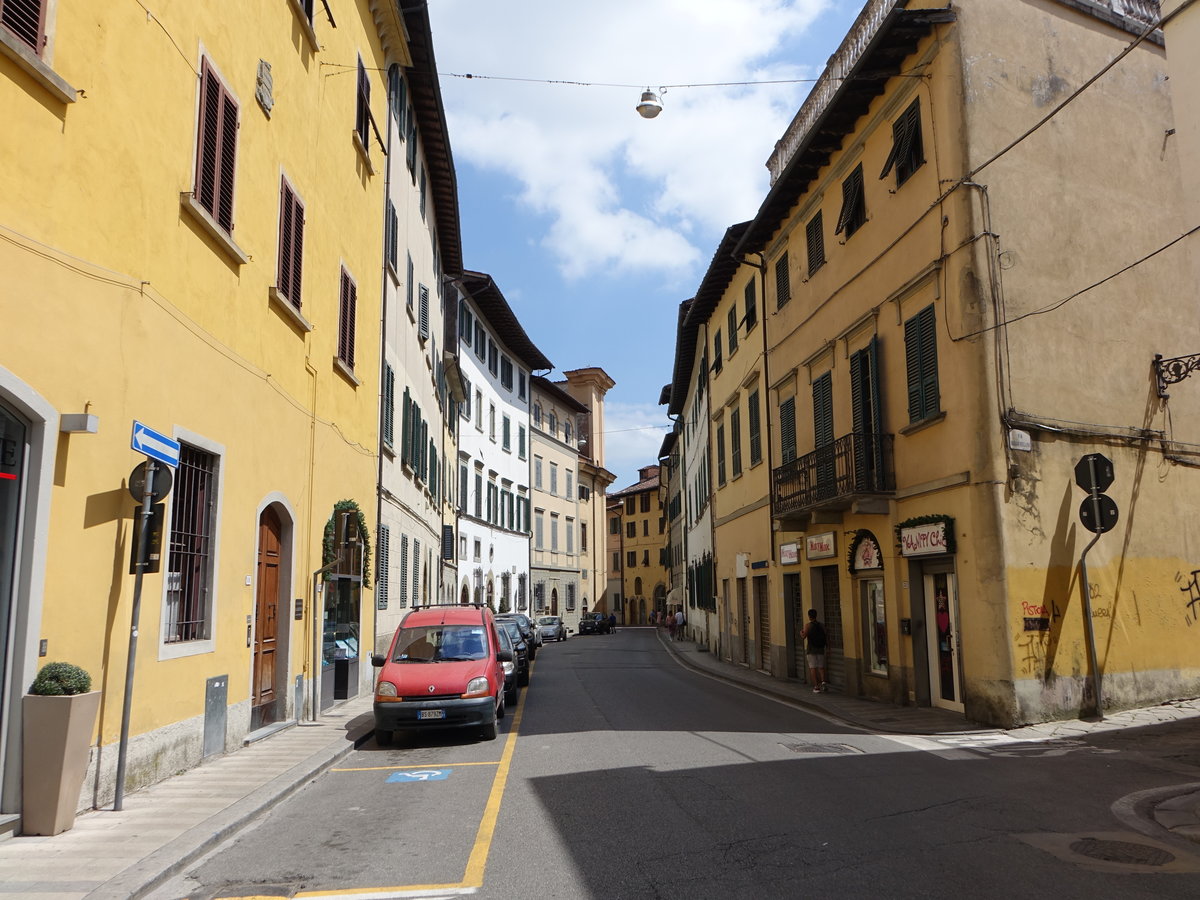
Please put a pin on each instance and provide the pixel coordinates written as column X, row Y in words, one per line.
column 552, row 628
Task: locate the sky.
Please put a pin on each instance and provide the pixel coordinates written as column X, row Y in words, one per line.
column 594, row 222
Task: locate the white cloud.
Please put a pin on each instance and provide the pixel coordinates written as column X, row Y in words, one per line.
column 633, row 433
column 622, row 194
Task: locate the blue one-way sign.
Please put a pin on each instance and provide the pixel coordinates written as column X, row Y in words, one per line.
column 154, row 445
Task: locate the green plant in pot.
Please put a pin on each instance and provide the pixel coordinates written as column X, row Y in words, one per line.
column 59, row 717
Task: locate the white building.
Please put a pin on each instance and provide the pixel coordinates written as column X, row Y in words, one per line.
column 417, row 414
column 495, row 359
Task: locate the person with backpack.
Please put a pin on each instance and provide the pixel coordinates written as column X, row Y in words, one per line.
column 814, row 633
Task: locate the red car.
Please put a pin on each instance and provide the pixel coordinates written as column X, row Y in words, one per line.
column 444, row 669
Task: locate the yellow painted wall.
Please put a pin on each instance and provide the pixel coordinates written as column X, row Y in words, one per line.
column 117, row 303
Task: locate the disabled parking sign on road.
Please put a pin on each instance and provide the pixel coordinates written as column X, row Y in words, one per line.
column 420, row 775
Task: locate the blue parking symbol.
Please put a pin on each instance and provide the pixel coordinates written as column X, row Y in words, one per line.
column 420, row 775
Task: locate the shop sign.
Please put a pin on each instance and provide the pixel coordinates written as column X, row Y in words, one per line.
column 789, row 554
column 923, row 540
column 820, row 546
column 866, row 555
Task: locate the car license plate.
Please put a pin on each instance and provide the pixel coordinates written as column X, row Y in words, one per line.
column 431, row 714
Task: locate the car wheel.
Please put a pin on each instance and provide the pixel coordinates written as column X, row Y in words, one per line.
column 383, row 737
column 489, row 731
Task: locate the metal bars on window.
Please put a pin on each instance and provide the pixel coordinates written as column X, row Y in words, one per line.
column 189, row 568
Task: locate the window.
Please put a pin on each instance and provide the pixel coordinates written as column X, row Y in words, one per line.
column 631, row 529
column 662, row 524
column 478, row 497
column 583, row 537
column 631, row 559
column 854, row 204
column 631, row 505
column 751, row 298
column 554, row 479
column 478, row 410
column 570, row 532
column 462, row 488
column 717, row 352
column 409, row 285
column 721, row 454
column 537, row 415
column 216, row 152
column 362, row 109
column 423, row 193
column 466, row 404
column 521, row 385
column 506, row 434
column 567, row 432
column 480, row 341
column 645, row 557
column 492, row 421
column 616, row 561
column 907, row 154
column 403, row 570
column 920, row 353
column 814, row 234
column 391, row 239
column 554, row 532
column 645, row 503
column 291, row 244
column 645, row 528
column 478, row 550
column 521, row 441
column 493, row 357
column 416, row 575
column 346, row 319
column 537, row 473
column 381, row 568
column 552, row 423
column 614, row 525
column 570, row 484
column 466, row 322
column 735, row 441
column 783, row 283
column 539, row 525
column 189, row 567
column 410, row 155
column 26, row 19
column 397, row 89
column 822, row 391
column 570, row 597
column 787, row 430
column 732, row 325
column 506, row 373
column 753, row 420
column 388, row 413
column 423, row 315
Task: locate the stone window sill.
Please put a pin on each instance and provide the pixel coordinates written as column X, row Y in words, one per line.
column 23, row 56
column 922, row 424
column 346, row 372
column 286, row 307
column 215, row 231
column 362, row 152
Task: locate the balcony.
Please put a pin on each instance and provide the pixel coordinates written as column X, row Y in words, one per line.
column 855, row 467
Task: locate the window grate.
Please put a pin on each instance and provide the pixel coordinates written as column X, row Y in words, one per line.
column 189, row 567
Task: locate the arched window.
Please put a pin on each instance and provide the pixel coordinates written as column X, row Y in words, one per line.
column 637, row 587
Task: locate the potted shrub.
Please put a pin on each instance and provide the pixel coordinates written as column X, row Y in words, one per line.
column 59, row 715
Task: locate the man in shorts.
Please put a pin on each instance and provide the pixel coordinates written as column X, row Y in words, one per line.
column 814, row 633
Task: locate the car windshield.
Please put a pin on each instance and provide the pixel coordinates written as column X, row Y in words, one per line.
column 548, row 620
column 440, row 643
column 514, row 630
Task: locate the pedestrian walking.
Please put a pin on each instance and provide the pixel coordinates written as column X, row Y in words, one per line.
column 671, row 625
column 679, row 622
column 814, row 633
column 612, row 622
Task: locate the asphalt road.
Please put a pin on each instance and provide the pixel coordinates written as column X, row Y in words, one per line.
column 629, row 776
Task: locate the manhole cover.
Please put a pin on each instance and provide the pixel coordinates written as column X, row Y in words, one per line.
column 1122, row 852
column 822, row 748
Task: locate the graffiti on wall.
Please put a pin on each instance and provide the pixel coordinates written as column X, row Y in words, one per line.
column 1031, row 653
column 1192, row 591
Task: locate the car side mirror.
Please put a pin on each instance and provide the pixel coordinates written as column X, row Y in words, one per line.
column 378, row 659
column 504, row 656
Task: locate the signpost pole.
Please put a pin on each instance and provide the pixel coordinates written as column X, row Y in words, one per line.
column 1094, row 488
column 143, row 544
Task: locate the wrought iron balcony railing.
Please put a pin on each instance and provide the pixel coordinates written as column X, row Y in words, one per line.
column 856, row 465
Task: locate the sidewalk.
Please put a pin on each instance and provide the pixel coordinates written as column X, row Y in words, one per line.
column 1178, row 810
column 111, row 855
column 162, row 829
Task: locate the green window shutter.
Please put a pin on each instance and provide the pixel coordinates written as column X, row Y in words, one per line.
column 814, row 233
column 735, row 441
column 873, row 382
column 403, row 570
column 755, row 423
column 823, row 410
column 732, row 325
column 720, row 454
column 858, row 387
column 389, row 404
column 783, row 282
column 751, row 298
column 929, row 369
column 787, row 429
column 912, row 364
column 406, row 428
column 381, row 568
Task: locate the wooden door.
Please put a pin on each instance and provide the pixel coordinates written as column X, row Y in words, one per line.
column 266, row 619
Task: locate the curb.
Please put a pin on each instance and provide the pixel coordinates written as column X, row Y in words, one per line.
column 169, row 860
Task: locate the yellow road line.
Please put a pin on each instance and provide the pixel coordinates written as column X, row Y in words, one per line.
column 477, row 861
column 456, row 765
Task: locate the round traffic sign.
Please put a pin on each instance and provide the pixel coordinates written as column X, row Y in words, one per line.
column 1108, row 513
column 162, row 481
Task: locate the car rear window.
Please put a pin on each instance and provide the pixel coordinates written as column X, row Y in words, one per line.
column 548, row 620
column 440, row 643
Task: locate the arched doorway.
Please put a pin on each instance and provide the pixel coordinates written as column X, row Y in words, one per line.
column 660, row 598
column 263, row 709
column 464, row 596
column 554, row 601
column 491, row 592
column 641, row 610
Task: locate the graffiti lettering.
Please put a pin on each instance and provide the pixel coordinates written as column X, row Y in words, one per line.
column 1192, row 589
column 1033, row 609
column 1033, row 648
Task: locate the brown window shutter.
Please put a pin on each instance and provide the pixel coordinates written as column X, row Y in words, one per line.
column 346, row 330
column 297, row 251
column 26, row 19
column 229, row 129
column 284, row 276
column 206, row 144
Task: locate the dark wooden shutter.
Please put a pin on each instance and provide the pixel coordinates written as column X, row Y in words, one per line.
column 720, row 454
column 906, row 135
column 228, row 163
column 751, row 304
column 814, row 233
column 732, row 325
column 823, row 434
column 853, row 203
column 787, row 430
column 362, row 107
column 423, row 312
column 405, row 427
column 297, row 252
column 391, row 236
column 389, row 404
column 753, row 419
column 735, row 441
column 859, row 391
column 783, row 282
column 349, row 305
column 208, row 139
column 286, row 210
column 26, row 19
column 929, row 368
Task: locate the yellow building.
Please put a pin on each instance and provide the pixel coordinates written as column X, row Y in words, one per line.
column 945, row 275
column 192, row 223
column 641, row 526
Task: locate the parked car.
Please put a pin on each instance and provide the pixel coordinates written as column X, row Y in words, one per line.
column 511, row 688
column 594, row 623
column 552, row 628
column 520, row 649
column 533, row 636
column 444, row 669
